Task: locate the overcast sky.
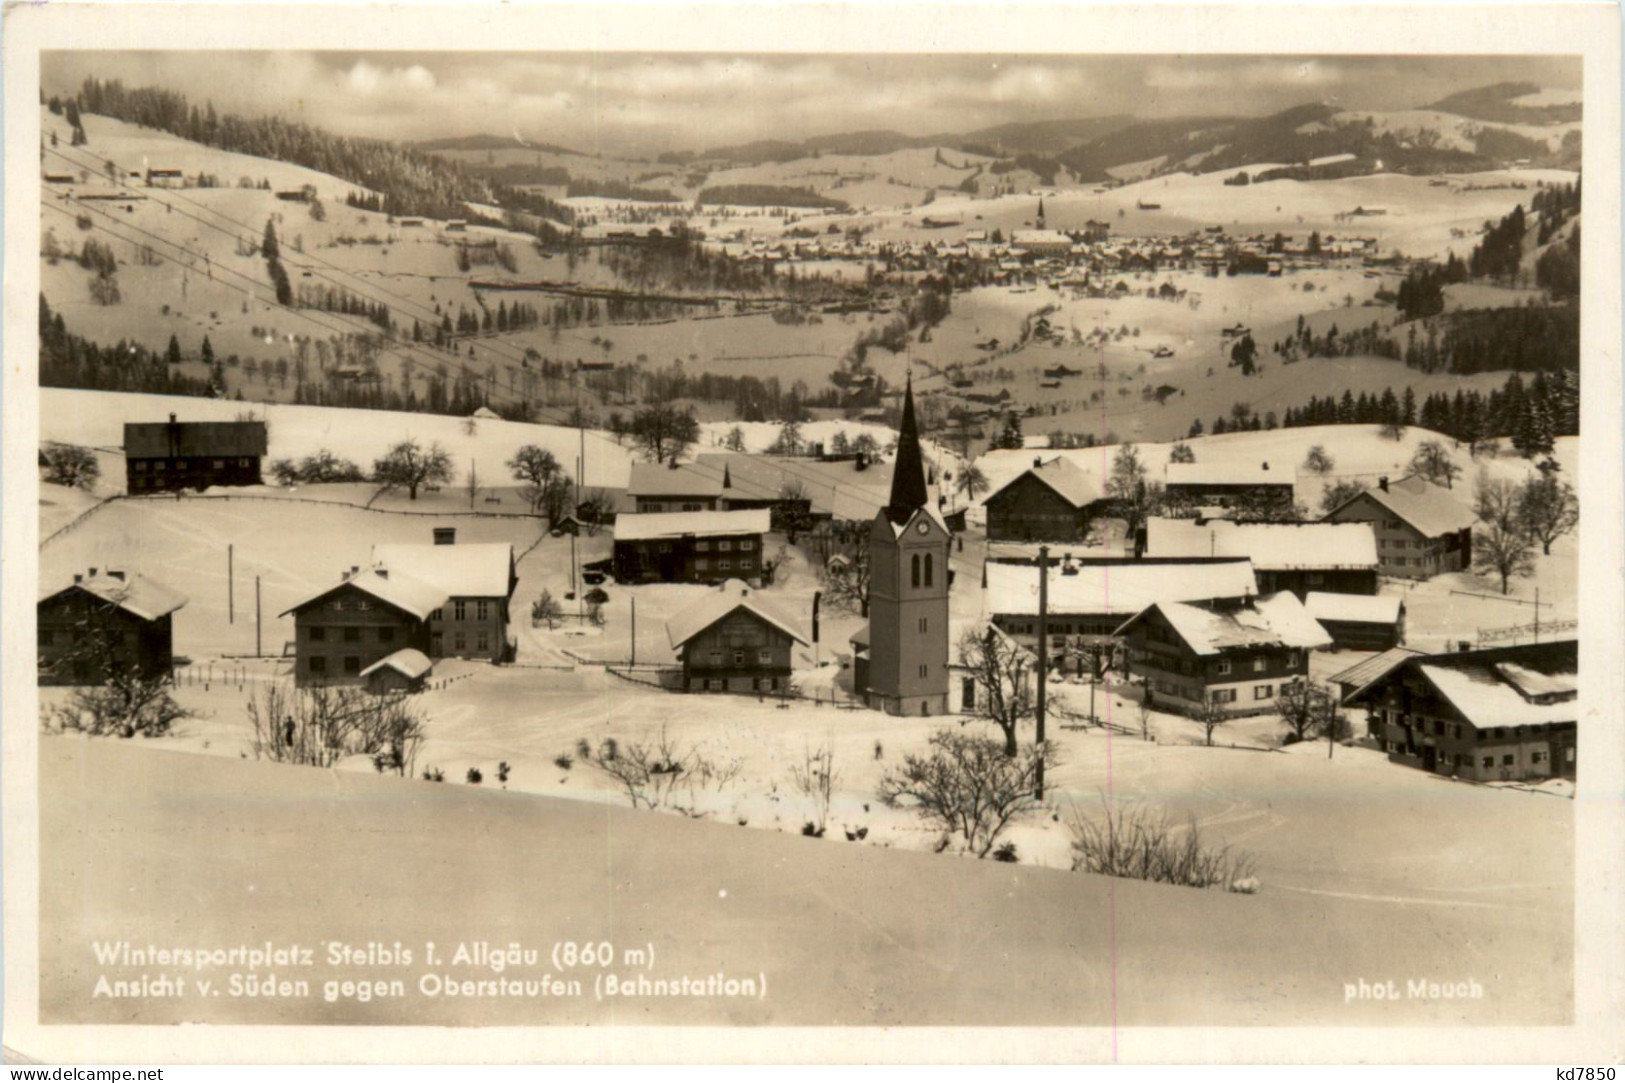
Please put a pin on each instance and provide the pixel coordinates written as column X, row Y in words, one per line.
column 626, row 102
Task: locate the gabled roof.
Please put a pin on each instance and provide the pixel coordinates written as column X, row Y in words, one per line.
column 1358, row 608
column 1270, row 546
column 646, row 526
column 412, row 596
column 718, row 604
column 1432, row 509
column 1120, row 589
column 1069, row 481
column 462, row 571
column 1487, row 700
column 135, row 594
column 151, row 440
column 1360, row 675
column 1274, row 620
column 659, row 479
column 409, row 662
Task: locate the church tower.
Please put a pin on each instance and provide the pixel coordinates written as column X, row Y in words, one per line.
column 1040, row 222
column 908, row 589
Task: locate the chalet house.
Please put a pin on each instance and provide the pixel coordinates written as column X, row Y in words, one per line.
column 735, row 641
column 844, row 489
column 1233, row 657
column 1299, row 557
column 1051, row 501
column 674, row 487
column 165, row 178
column 479, row 582
column 1499, row 714
column 175, row 455
column 1359, row 622
column 1228, row 483
column 690, row 547
column 1090, row 600
column 1422, row 530
column 1367, row 671
column 371, row 613
column 102, row 621
column 59, row 178
column 1041, row 242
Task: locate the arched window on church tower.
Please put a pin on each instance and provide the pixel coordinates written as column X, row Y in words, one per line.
column 928, row 569
column 914, row 570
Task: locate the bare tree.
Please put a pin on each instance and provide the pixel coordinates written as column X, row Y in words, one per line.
column 1135, row 498
column 971, row 482
column 130, row 701
column 846, row 571
column 967, row 785
column 1337, row 494
column 1318, row 461
column 1001, row 670
column 1305, row 707
column 533, row 467
column 661, row 774
column 1433, row 461
column 1548, row 509
column 408, row 465
column 545, row 608
column 71, row 465
column 1502, row 546
column 320, row 725
column 1210, row 716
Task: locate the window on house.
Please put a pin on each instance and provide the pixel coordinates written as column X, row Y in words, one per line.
column 725, row 546
column 701, row 564
column 318, row 666
column 438, row 614
column 318, row 634
column 459, row 610
column 352, row 664
column 746, row 545
column 1260, row 664
column 352, row 635
column 712, row 684
column 924, row 671
column 691, row 507
column 716, row 658
column 1221, row 668
column 1263, row 691
column 764, row 658
column 1316, row 579
column 482, row 610
column 739, row 658
column 1508, row 760
column 1537, row 757
column 386, row 634
column 702, row 547
column 924, row 623
column 459, row 642
column 483, row 643
column 1224, row 695
column 724, row 565
column 1488, row 761
column 1568, row 755
column 219, row 464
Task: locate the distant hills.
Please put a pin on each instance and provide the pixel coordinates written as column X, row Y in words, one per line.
column 1474, row 129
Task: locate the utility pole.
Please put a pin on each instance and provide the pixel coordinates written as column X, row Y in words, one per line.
column 231, row 585
column 634, row 661
column 257, row 652
column 1043, row 658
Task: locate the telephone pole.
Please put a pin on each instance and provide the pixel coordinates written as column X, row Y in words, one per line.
column 231, row 586
column 634, row 661
column 1043, row 659
column 257, row 652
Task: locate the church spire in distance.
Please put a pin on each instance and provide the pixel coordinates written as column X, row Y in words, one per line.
column 908, row 493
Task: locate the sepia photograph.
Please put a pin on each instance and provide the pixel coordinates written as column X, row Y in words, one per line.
column 528, row 534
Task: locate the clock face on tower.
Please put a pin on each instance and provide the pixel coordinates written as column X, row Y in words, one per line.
column 924, row 528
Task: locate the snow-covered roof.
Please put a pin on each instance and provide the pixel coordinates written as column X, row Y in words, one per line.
column 1270, row 546
column 718, row 604
column 1274, row 620
column 1123, row 589
column 396, row 588
column 931, row 513
column 1533, row 684
column 1028, row 237
column 645, row 526
column 1432, row 509
column 462, row 571
column 132, row 593
column 1071, row 482
column 659, row 479
column 485, row 413
column 1358, row 608
column 409, row 662
column 1227, row 473
column 1486, row 700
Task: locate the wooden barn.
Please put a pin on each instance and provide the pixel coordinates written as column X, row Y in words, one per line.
column 103, row 621
column 735, row 641
column 174, row 455
column 1359, row 622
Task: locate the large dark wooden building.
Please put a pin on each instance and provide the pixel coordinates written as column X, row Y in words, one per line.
column 1051, row 501
column 175, row 455
column 1422, row 529
column 1498, row 714
column 735, row 641
column 369, row 615
column 1232, row 657
column 106, row 621
column 690, row 547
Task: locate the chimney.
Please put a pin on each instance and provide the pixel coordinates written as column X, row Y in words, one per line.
column 93, row 573
column 1382, row 483
column 1038, row 460
column 1264, row 466
column 77, row 578
column 111, row 574
column 383, row 573
column 172, row 419
column 445, row 535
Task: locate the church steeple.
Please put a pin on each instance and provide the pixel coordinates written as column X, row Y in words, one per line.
column 1040, row 222
column 908, row 493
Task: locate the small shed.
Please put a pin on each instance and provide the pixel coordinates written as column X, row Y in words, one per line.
column 1359, row 622
column 404, row 671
